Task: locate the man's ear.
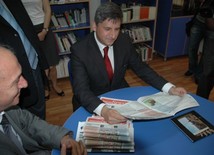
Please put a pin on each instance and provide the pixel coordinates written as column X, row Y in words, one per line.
column 94, row 26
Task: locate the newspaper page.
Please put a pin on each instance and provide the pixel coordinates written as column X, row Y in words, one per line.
column 97, row 124
column 113, row 103
column 159, row 105
column 111, row 140
column 88, row 135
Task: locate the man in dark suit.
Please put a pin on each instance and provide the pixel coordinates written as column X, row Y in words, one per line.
column 206, row 82
column 21, row 132
column 32, row 98
column 90, row 77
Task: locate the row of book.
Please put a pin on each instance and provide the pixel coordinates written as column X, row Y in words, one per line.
column 64, row 41
column 138, row 34
column 69, row 18
column 62, row 67
column 63, row 1
column 99, row 136
column 144, row 51
column 138, row 12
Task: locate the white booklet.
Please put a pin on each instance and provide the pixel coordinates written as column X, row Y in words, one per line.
column 159, row 105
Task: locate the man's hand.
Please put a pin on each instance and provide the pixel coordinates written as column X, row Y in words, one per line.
column 112, row 116
column 63, row 149
column 177, row 91
column 76, row 148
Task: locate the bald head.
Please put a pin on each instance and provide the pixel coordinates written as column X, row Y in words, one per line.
column 7, row 60
column 11, row 79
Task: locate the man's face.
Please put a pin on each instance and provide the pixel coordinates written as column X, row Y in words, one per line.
column 107, row 31
column 11, row 82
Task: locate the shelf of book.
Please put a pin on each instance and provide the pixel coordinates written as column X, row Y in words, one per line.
column 70, row 22
column 71, row 29
column 70, row 16
column 139, row 22
column 59, row 2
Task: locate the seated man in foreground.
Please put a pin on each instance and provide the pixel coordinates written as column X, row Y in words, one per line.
column 21, row 132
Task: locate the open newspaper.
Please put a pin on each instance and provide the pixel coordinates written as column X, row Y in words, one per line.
column 99, row 136
column 159, row 105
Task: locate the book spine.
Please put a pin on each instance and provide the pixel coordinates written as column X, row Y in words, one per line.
column 66, row 13
column 54, row 21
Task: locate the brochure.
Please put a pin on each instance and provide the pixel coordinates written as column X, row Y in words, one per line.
column 194, row 125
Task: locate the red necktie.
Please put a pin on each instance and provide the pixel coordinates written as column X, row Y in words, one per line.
column 108, row 63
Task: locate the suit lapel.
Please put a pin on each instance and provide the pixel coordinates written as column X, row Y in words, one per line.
column 116, row 57
column 98, row 59
column 26, row 140
column 4, row 140
column 117, row 60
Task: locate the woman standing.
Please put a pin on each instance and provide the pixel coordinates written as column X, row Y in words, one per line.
column 39, row 12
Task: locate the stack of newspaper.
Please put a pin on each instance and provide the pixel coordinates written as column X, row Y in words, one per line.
column 99, row 136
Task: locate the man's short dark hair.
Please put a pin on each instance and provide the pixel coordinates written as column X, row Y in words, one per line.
column 8, row 48
column 108, row 10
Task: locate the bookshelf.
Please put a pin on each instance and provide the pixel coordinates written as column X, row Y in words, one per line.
column 70, row 22
column 171, row 39
column 139, row 22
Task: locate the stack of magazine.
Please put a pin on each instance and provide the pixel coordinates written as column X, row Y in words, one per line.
column 99, row 136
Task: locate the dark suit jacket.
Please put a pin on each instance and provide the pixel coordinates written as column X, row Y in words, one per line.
column 10, row 37
column 89, row 74
column 36, row 134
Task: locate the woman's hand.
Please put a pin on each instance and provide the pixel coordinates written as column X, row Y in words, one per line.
column 42, row 35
